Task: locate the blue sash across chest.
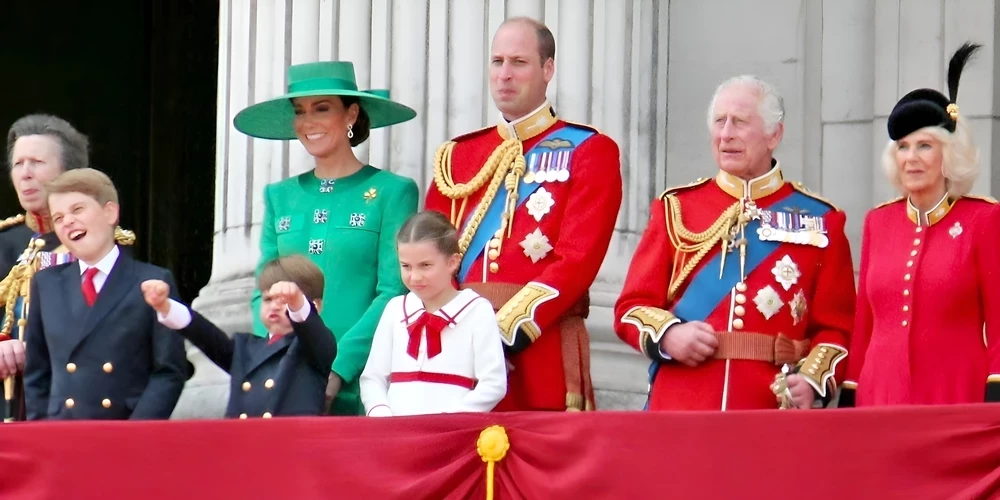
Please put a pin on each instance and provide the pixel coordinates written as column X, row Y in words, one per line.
column 705, row 290
column 569, row 137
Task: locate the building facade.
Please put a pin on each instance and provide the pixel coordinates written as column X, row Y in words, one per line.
column 642, row 71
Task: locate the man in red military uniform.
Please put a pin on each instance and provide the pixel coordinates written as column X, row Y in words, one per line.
column 535, row 199
column 741, row 290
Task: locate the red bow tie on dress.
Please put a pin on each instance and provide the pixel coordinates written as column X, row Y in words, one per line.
column 433, row 325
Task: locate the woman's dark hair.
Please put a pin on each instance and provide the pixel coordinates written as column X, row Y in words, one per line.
column 362, row 127
column 74, row 145
column 430, row 226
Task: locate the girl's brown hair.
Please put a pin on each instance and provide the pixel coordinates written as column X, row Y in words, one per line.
column 430, row 226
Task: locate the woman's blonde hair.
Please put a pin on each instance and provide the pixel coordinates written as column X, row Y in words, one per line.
column 959, row 158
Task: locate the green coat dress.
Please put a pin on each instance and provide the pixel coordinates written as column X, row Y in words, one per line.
column 348, row 228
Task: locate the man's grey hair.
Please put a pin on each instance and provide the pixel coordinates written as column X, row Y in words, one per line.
column 771, row 106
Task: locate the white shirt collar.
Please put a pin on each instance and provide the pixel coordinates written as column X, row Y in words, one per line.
column 104, row 265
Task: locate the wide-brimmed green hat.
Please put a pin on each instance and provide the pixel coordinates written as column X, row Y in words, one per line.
column 272, row 119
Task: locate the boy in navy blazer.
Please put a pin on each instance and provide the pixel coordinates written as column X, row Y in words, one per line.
column 284, row 374
column 93, row 350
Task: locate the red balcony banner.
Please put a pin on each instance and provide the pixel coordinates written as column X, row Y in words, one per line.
column 916, row 452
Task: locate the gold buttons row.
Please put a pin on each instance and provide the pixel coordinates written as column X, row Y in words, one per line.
column 268, row 384
column 815, row 365
column 108, row 367
column 104, row 402
column 494, row 252
column 267, row 414
column 740, row 310
column 908, row 277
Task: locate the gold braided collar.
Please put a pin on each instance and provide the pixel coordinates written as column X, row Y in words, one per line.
column 933, row 215
column 753, row 189
column 530, row 125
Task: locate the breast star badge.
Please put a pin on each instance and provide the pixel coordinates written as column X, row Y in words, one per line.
column 536, row 245
column 540, row 203
column 955, row 230
column 786, row 272
column 768, row 302
column 798, row 307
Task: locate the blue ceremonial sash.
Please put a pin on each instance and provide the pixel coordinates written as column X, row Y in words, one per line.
column 570, row 134
column 705, row 290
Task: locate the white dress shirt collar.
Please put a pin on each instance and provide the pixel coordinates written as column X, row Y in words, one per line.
column 104, row 265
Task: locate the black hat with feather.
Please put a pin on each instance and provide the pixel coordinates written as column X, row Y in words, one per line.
column 930, row 108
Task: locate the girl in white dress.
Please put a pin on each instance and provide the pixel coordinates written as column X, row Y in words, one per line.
column 436, row 349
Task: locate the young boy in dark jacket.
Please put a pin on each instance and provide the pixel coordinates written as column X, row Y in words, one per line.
column 282, row 375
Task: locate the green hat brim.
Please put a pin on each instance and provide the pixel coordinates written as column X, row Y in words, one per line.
column 273, row 119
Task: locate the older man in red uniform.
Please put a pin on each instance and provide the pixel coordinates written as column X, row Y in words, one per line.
column 535, row 199
column 741, row 290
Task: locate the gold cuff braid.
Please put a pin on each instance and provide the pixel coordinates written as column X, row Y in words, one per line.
column 652, row 323
column 519, row 311
column 819, row 366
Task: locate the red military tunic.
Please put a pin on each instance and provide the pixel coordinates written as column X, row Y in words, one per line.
column 926, row 291
column 538, row 276
column 795, row 306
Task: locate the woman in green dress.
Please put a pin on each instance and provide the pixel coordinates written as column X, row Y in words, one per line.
column 343, row 214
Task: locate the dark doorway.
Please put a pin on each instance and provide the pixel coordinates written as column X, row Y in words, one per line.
column 138, row 77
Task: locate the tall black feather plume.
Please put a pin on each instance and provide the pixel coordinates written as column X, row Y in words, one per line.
column 957, row 64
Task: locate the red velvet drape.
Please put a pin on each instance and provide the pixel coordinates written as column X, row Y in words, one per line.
column 930, row 452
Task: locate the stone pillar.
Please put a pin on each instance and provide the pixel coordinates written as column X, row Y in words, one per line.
column 848, row 70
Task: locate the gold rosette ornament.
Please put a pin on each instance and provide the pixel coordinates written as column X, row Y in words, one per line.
column 492, row 446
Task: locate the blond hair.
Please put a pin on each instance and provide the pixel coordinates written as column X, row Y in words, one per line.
column 88, row 181
column 959, row 158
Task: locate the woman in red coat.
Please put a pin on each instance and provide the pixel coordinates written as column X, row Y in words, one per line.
column 927, row 329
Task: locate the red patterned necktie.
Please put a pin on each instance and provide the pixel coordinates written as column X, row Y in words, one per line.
column 433, row 325
column 89, row 290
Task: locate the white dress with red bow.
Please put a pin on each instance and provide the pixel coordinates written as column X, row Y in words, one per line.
column 422, row 363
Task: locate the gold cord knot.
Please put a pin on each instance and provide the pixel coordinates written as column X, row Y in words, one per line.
column 952, row 110
column 492, row 446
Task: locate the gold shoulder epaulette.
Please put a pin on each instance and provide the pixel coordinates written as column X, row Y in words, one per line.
column 473, row 133
column 11, row 221
column 890, row 202
column 671, row 190
column 987, row 199
column 804, row 190
column 124, row 236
